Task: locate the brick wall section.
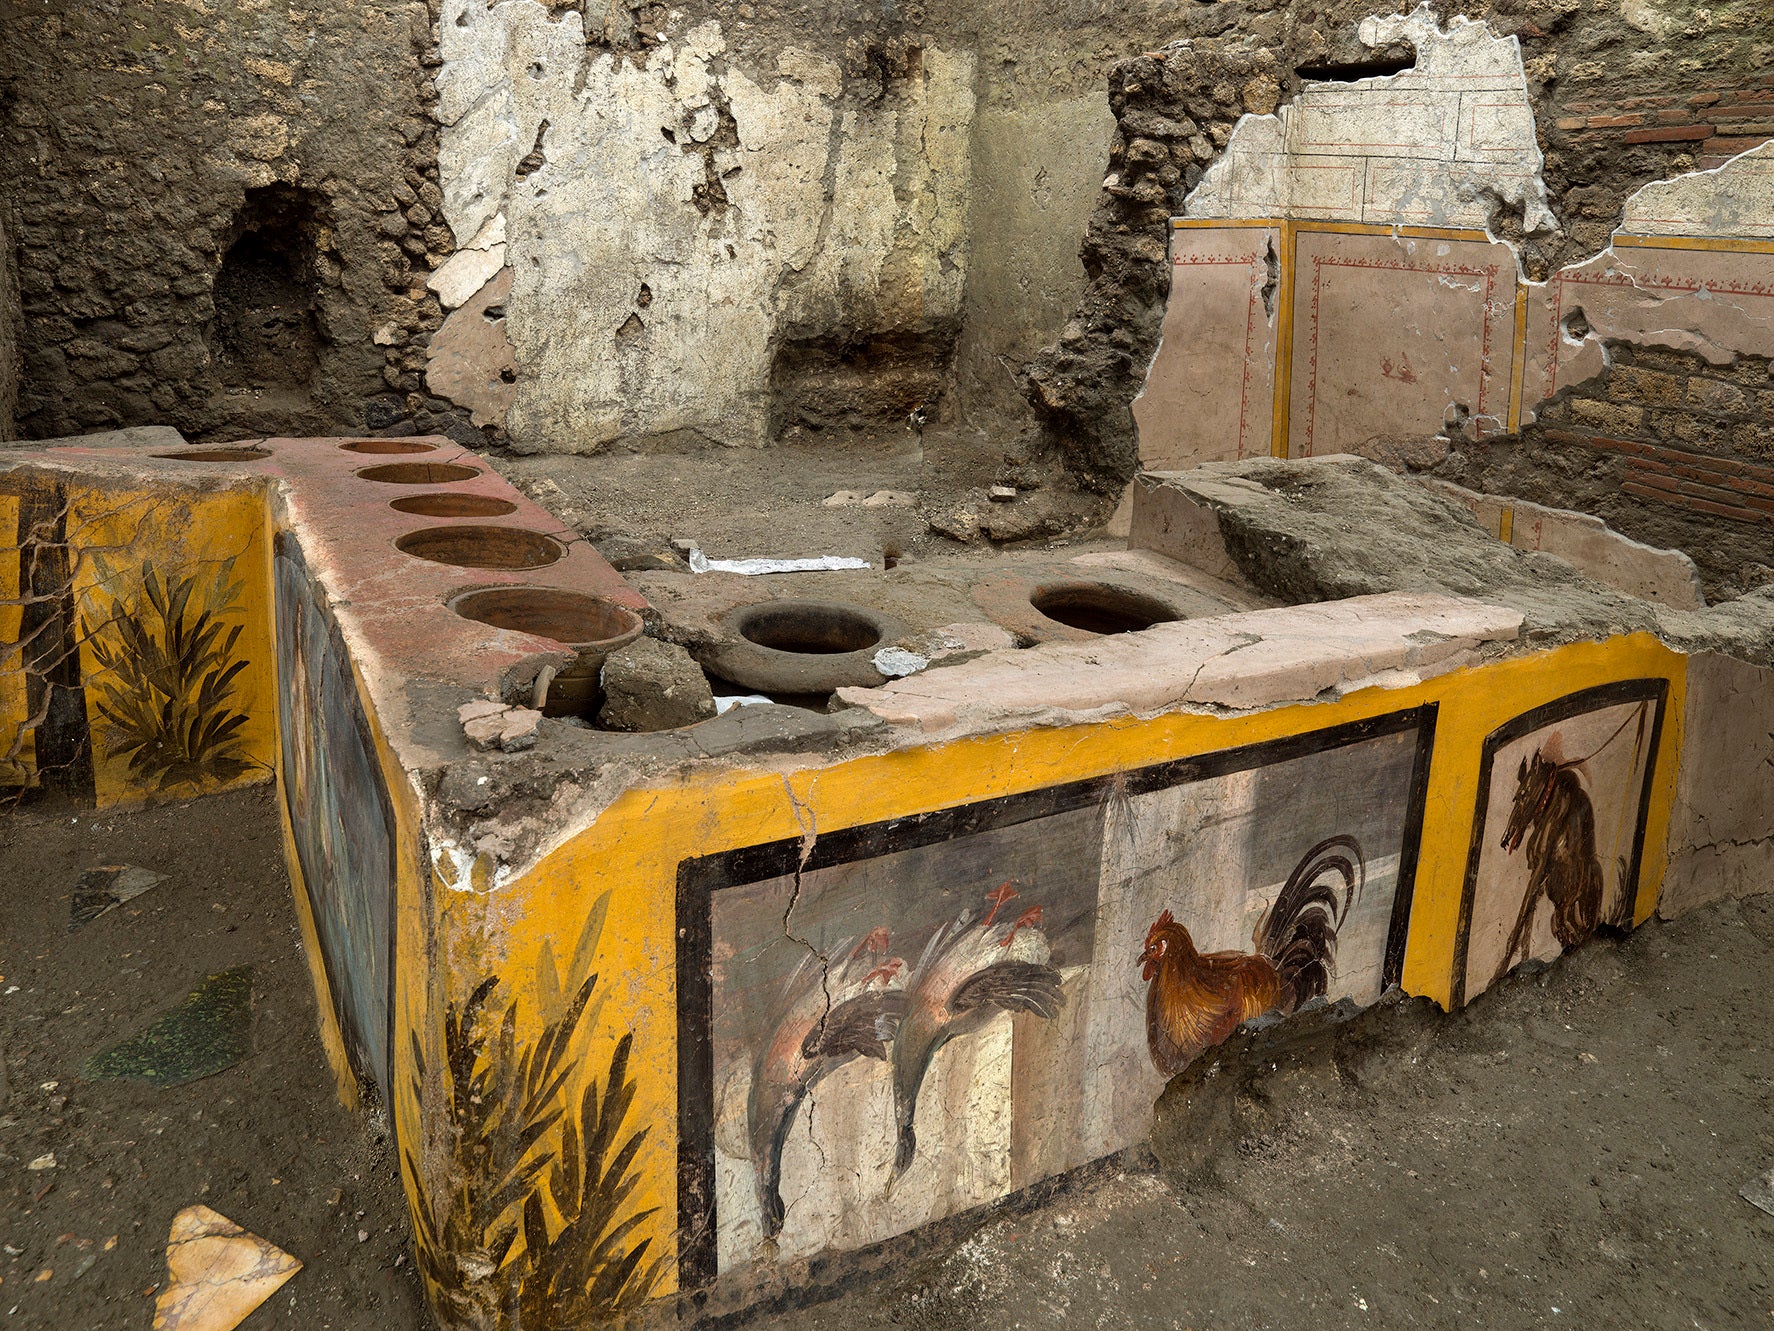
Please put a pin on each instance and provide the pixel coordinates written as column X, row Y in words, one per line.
column 1693, row 435
column 1714, row 124
column 1663, row 447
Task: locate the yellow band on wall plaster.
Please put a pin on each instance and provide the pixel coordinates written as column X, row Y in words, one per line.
column 634, row 848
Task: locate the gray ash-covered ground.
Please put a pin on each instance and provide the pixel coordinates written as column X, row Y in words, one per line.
column 1566, row 1152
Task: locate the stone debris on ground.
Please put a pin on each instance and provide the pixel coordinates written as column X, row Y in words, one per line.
column 871, row 499
column 216, row 1273
column 1759, row 1191
column 654, row 685
column 497, row 725
column 105, row 888
column 639, row 554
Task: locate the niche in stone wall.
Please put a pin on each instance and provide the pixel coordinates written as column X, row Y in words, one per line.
column 266, row 336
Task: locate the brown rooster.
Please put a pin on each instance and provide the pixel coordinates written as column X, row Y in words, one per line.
column 1196, row 999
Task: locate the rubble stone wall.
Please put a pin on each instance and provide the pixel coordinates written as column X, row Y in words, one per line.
column 143, row 143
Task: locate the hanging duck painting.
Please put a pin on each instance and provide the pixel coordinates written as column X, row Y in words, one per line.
column 891, row 1024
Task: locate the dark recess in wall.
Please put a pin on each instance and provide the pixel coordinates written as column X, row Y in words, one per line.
column 265, row 335
column 823, row 384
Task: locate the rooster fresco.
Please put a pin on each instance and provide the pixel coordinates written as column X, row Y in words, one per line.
column 968, row 973
column 1194, row 999
column 831, row 1012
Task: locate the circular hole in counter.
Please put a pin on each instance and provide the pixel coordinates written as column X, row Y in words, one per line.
column 447, row 504
column 387, row 446
column 592, row 626
column 1096, row 607
column 471, row 546
column 574, row 618
column 807, row 627
column 217, row 455
column 418, row 473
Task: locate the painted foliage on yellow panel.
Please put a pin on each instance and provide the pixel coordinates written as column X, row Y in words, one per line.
column 1078, row 862
column 528, row 1204
column 173, row 619
column 15, row 735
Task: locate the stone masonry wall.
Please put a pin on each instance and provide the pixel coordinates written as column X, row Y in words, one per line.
column 146, row 142
column 1660, row 87
column 9, row 331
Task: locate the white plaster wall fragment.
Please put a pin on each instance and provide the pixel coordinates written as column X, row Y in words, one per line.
column 1733, row 200
column 1436, row 145
column 641, row 302
column 471, row 267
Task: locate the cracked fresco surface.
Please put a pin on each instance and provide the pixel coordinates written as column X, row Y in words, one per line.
column 955, row 1010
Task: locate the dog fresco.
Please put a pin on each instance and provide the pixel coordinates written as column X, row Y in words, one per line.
column 341, row 819
column 1555, row 856
column 891, row 1024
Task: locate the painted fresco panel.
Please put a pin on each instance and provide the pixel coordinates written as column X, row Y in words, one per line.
column 1209, row 395
column 1563, row 795
column 133, row 658
column 900, row 1022
column 1373, row 353
column 341, row 819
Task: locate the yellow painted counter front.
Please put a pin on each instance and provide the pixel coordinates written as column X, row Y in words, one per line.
column 753, row 1017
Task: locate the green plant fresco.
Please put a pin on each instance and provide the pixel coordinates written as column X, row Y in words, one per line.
column 167, row 677
column 524, row 1163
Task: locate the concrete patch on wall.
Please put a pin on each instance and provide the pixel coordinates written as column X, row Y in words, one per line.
column 673, row 219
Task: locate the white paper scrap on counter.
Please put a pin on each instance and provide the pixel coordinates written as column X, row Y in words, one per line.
column 701, row 563
column 726, row 703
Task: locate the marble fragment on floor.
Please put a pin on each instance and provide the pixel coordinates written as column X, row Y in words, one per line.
column 216, row 1273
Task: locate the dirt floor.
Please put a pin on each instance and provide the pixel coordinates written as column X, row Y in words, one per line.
column 1565, row 1152
column 265, row 1142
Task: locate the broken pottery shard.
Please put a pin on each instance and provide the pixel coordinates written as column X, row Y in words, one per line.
column 1759, row 1191
column 1001, row 494
column 701, row 563
column 497, row 725
column 517, row 730
column 216, row 1273
column 106, row 888
column 206, row 1034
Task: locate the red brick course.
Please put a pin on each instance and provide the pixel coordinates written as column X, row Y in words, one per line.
column 1718, row 123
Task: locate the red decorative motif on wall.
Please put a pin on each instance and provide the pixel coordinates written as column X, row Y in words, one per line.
column 1321, row 262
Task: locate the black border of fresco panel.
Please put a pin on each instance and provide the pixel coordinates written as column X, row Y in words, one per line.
column 1560, row 709
column 700, row 878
